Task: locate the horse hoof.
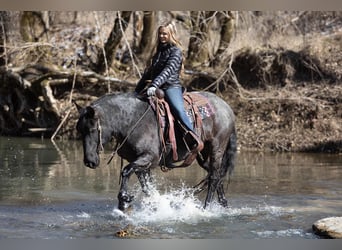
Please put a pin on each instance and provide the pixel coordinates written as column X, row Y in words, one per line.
column 124, row 201
column 223, row 203
column 125, row 197
column 123, row 206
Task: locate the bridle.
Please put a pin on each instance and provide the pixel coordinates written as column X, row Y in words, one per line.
column 99, row 146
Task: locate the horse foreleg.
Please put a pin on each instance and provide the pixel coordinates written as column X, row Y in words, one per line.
column 145, row 180
column 124, row 197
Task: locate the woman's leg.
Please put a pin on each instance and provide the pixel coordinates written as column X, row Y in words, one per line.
column 174, row 98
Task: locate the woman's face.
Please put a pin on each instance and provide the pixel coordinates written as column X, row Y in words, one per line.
column 163, row 35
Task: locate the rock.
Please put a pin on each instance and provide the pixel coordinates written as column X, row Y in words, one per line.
column 330, row 227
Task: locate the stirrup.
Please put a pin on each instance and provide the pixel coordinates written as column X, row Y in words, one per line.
column 198, row 144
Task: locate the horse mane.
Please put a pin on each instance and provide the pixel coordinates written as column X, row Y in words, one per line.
column 104, row 98
column 116, row 101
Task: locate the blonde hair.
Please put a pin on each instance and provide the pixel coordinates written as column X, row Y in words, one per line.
column 172, row 30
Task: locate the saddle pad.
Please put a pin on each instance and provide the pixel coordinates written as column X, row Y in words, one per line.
column 204, row 107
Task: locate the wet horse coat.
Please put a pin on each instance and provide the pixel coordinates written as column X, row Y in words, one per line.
column 133, row 123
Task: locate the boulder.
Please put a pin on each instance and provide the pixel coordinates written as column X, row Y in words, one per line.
column 329, row 227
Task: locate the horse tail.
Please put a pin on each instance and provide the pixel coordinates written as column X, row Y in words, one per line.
column 228, row 161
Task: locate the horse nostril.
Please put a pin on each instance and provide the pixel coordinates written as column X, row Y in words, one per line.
column 90, row 165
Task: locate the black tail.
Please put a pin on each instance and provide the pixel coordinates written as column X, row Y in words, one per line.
column 228, row 161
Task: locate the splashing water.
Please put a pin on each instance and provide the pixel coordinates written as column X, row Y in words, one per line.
column 180, row 205
column 174, row 205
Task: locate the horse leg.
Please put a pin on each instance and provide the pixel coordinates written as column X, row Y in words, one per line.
column 221, row 195
column 212, row 187
column 123, row 196
column 216, row 184
column 214, row 168
column 204, row 163
column 227, row 166
column 141, row 167
column 145, row 180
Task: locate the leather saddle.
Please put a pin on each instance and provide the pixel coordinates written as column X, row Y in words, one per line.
column 198, row 108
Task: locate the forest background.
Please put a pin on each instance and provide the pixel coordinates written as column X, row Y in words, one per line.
column 279, row 70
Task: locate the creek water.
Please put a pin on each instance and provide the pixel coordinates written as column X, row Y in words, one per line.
column 47, row 193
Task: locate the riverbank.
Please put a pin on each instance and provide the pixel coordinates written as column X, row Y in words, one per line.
column 305, row 118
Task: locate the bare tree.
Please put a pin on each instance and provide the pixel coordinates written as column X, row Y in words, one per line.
column 107, row 56
column 34, row 25
column 227, row 22
column 198, row 52
column 3, row 37
column 149, row 25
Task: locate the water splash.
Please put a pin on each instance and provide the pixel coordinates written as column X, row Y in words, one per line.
column 180, row 205
column 175, row 205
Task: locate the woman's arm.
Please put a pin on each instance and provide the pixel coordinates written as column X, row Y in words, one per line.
column 171, row 68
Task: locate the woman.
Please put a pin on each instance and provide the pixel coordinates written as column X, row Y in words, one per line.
column 164, row 71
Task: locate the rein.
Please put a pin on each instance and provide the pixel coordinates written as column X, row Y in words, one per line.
column 119, row 145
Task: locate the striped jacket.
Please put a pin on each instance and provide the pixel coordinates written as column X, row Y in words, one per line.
column 165, row 68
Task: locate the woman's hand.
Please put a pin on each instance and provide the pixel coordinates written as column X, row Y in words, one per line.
column 151, row 91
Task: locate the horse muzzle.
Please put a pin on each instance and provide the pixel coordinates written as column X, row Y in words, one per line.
column 91, row 165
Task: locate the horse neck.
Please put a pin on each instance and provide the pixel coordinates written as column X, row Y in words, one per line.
column 119, row 115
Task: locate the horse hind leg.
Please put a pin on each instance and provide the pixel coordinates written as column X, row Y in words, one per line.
column 221, row 196
column 227, row 166
column 215, row 185
column 210, row 160
column 219, row 169
column 204, row 163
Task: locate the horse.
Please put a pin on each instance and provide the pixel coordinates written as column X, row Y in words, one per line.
column 133, row 124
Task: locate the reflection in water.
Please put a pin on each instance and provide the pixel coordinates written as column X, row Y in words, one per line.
column 46, row 192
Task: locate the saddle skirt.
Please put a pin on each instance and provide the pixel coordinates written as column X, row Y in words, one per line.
column 197, row 108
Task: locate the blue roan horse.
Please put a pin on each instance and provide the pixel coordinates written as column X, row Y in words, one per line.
column 133, row 124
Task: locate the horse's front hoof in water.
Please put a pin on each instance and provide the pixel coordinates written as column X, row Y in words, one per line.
column 223, row 202
column 124, row 201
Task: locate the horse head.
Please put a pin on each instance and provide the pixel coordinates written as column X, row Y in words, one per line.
column 88, row 126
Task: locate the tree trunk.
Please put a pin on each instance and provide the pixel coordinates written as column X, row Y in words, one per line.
column 120, row 25
column 3, row 37
column 198, row 52
column 33, row 25
column 227, row 22
column 137, row 29
column 147, row 36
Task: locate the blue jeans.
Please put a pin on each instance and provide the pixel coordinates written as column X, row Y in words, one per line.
column 174, row 97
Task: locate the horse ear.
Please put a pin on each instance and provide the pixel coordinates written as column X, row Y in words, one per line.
column 90, row 112
column 79, row 108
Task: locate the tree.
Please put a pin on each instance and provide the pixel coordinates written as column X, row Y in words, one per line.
column 227, row 23
column 149, row 26
column 3, row 37
column 198, row 52
column 34, row 25
column 107, row 56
